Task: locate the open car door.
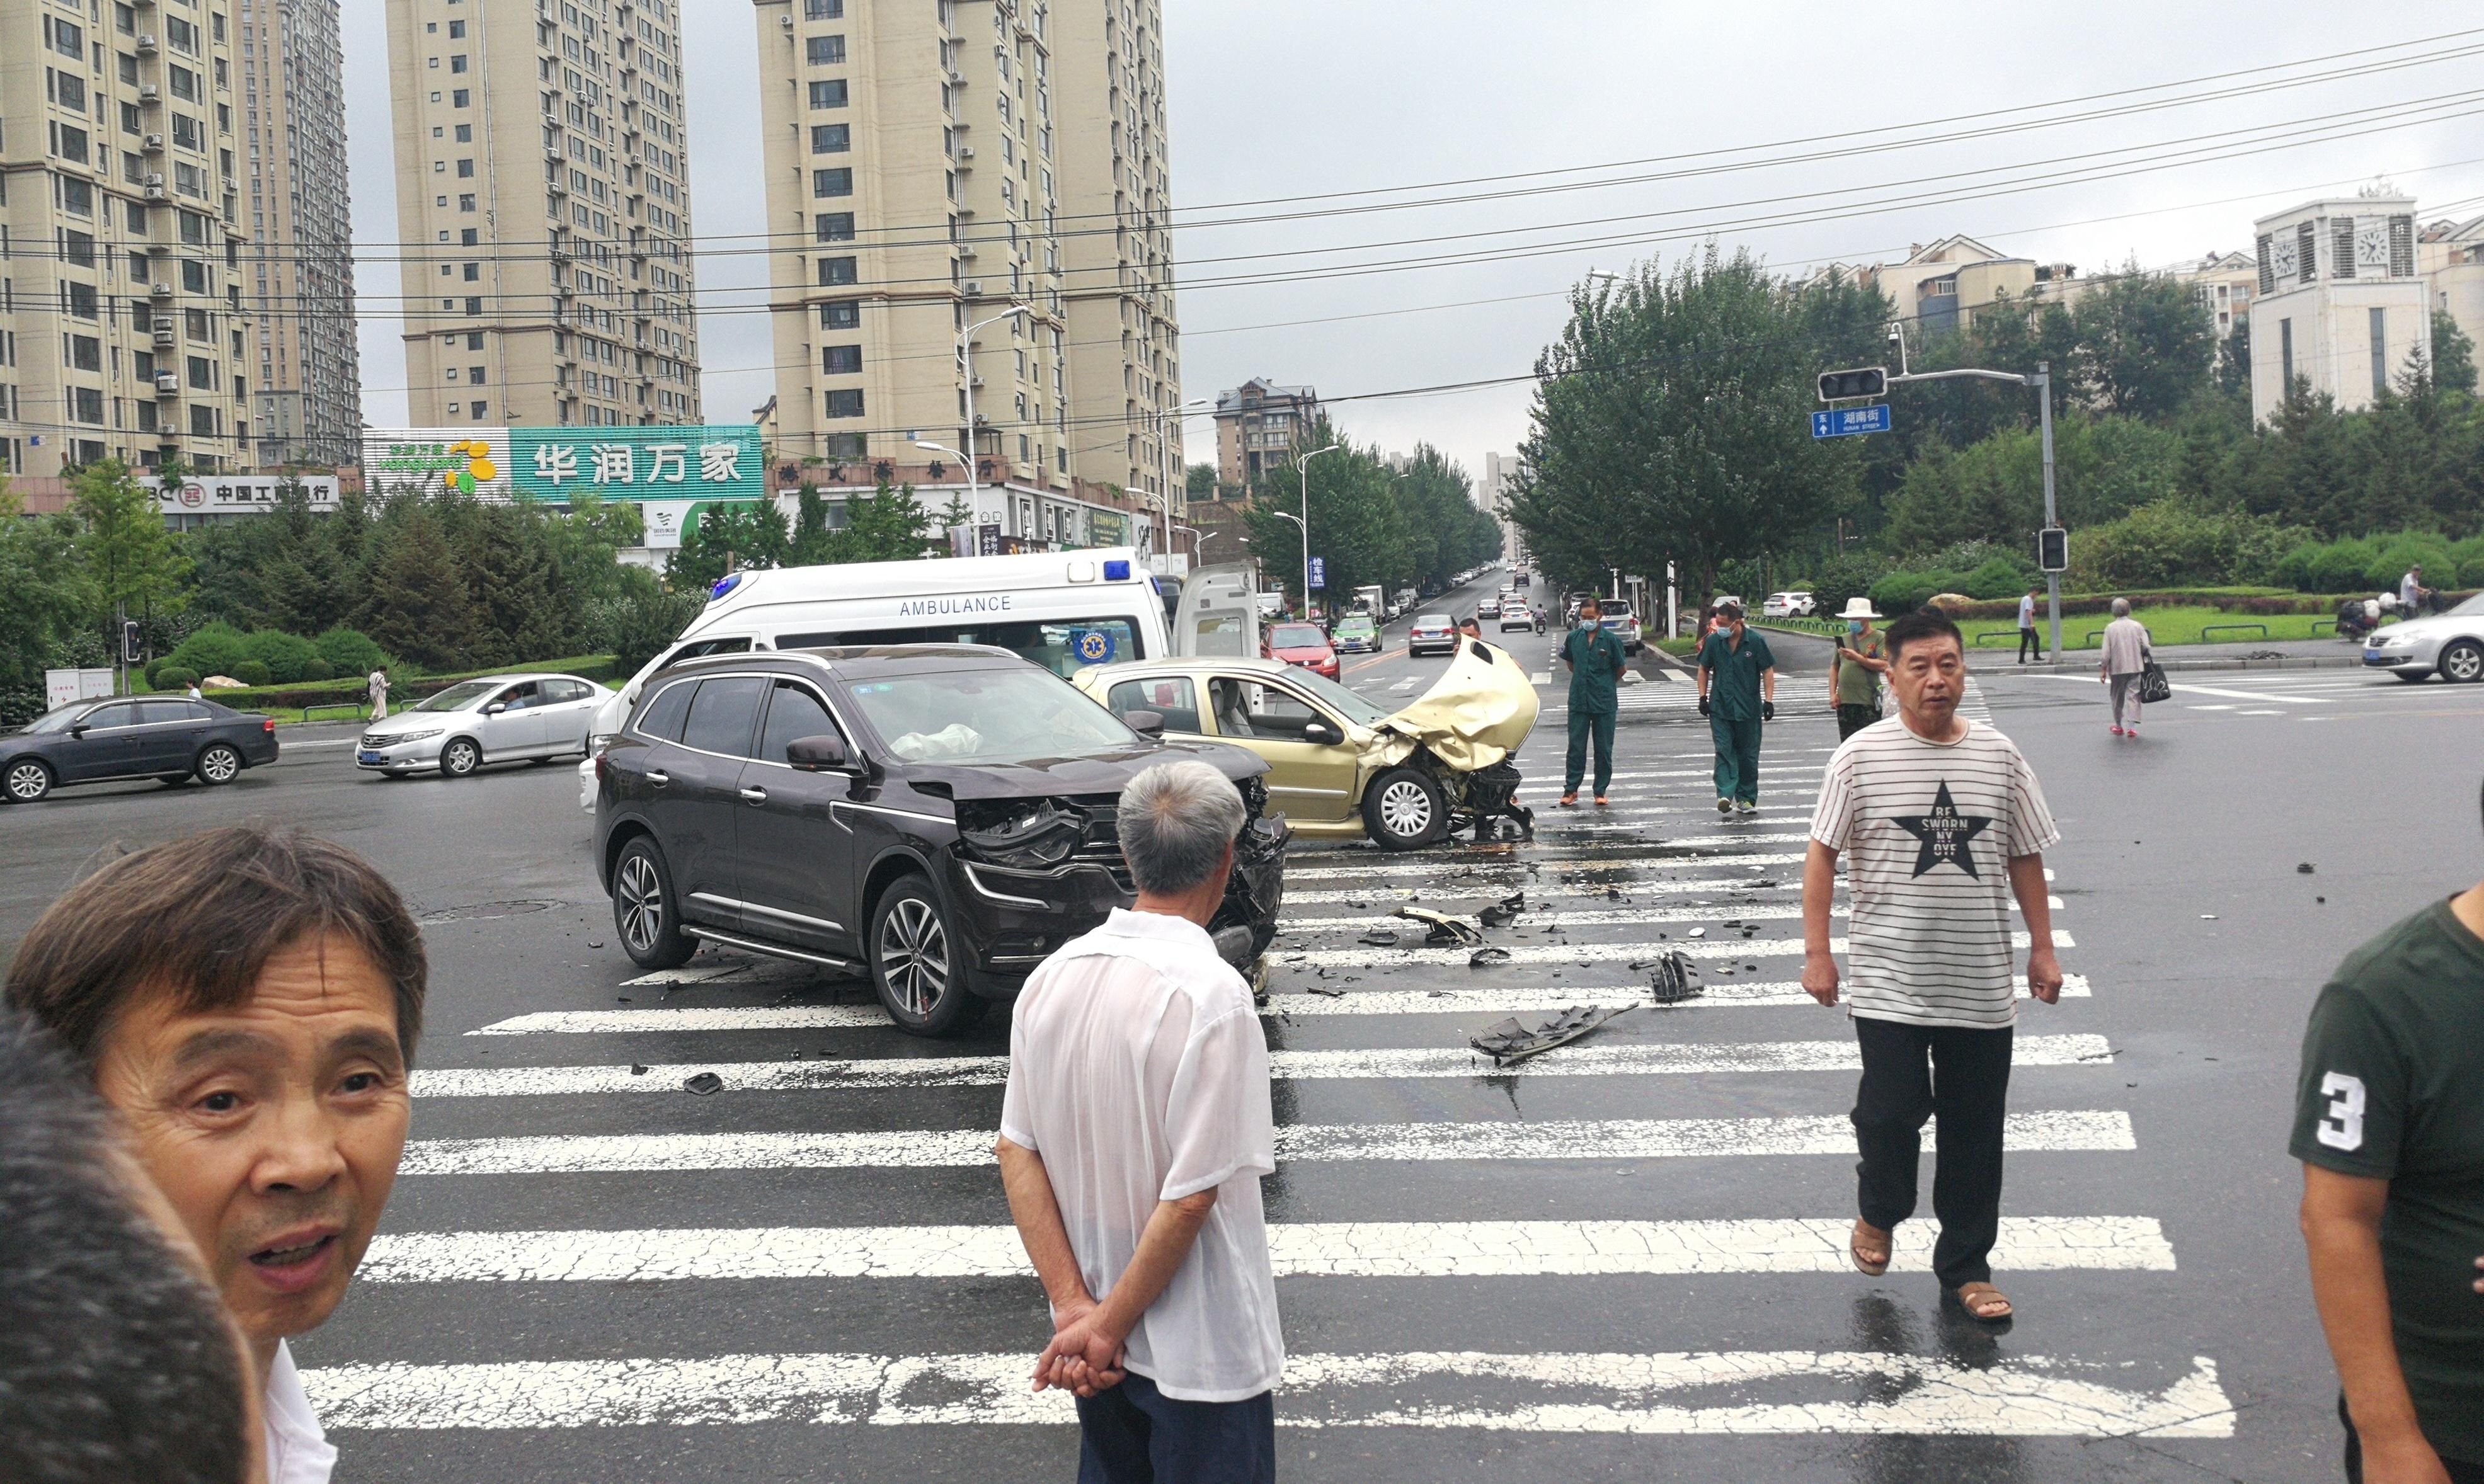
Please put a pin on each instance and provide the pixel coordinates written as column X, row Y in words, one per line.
column 1218, row 615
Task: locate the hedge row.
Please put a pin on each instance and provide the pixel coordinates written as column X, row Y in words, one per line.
column 2088, row 604
column 402, row 692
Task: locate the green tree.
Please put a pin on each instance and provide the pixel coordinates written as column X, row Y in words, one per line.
column 1199, row 481
column 43, row 600
column 418, row 607
column 1671, row 423
column 886, row 524
column 133, row 564
column 2146, row 346
column 1358, row 529
column 2453, row 356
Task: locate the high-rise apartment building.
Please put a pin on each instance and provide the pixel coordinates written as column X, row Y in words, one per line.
column 544, row 203
column 1259, row 425
column 922, row 164
column 1125, row 368
column 2341, row 310
column 122, row 322
column 298, row 273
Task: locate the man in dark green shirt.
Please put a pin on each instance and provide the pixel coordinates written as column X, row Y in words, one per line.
column 1738, row 690
column 1595, row 659
column 2388, row 1124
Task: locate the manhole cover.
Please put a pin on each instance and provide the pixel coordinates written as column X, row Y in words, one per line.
column 480, row 910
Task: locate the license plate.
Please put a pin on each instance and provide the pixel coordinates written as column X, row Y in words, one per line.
column 369, row 757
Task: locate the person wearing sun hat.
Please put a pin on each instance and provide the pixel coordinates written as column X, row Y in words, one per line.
column 1854, row 671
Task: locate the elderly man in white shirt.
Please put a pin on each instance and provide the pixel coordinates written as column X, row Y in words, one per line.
column 2126, row 653
column 1134, row 1131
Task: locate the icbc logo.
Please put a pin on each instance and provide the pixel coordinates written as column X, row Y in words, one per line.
column 193, row 496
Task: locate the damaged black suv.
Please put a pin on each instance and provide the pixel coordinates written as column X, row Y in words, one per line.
column 941, row 815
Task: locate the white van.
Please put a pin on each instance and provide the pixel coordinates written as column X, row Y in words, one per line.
column 1065, row 610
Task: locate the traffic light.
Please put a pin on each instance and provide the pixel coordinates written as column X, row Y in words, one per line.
column 2053, row 549
column 131, row 650
column 1862, row 382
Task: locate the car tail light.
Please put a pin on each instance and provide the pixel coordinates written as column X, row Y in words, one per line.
column 603, row 769
column 268, row 726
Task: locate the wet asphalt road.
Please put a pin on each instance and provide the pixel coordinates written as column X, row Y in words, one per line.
column 1610, row 1266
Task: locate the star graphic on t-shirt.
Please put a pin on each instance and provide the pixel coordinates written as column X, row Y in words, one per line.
column 1944, row 833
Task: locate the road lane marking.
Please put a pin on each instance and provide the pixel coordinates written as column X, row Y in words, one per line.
column 1408, row 1249
column 1542, row 891
column 1540, row 920
column 2061, row 1130
column 1291, row 1004
column 1423, row 1062
column 1736, row 948
column 1461, row 865
column 2189, row 687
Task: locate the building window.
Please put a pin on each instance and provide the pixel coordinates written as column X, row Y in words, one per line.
column 461, row 98
column 833, row 226
column 831, row 137
column 475, row 307
column 81, row 297
column 2286, row 354
column 466, row 202
column 846, row 402
column 837, row 270
column 202, row 421
column 833, row 182
column 481, row 410
column 457, row 64
column 465, row 170
column 841, row 314
column 824, row 9
column 830, row 94
column 825, row 50
column 841, row 360
column 86, row 405
column 2380, row 352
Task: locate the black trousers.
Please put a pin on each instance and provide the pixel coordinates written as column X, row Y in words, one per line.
column 2029, row 644
column 1961, row 1077
column 1854, row 717
column 2459, row 1470
column 1134, row 1434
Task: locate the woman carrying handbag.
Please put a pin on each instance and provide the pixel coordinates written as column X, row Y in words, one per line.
column 2129, row 669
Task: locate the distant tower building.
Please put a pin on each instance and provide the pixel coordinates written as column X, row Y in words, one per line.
column 2340, row 306
column 121, row 327
column 544, row 203
column 298, row 275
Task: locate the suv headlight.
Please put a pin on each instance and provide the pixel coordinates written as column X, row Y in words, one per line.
column 410, row 736
column 1024, row 834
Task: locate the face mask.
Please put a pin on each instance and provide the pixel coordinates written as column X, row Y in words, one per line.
column 1588, row 621
column 1854, row 626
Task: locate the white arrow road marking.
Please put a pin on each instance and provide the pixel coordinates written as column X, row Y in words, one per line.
column 1767, row 1392
column 1597, row 1060
column 1377, row 1002
column 1577, row 953
column 1412, row 1249
column 2071, row 1129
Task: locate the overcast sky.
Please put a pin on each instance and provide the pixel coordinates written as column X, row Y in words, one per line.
column 1288, row 98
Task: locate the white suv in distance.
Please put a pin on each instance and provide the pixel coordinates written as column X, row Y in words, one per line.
column 1789, row 605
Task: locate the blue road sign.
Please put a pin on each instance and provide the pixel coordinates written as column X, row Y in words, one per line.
column 1846, row 422
column 1319, row 573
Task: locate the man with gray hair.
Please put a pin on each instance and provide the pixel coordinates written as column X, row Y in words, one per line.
column 2126, row 656
column 1134, row 1131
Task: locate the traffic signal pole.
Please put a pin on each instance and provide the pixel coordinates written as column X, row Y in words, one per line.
column 2043, row 383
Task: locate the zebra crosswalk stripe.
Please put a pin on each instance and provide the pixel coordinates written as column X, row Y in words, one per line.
column 1765, row 1392
column 1580, row 953
column 2074, row 1129
column 1384, row 1249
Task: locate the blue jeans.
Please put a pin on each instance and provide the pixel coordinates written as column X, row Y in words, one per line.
column 1134, row 1434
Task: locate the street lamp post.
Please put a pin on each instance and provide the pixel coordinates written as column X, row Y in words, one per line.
column 966, row 367
column 1164, row 465
column 971, row 512
column 1303, row 466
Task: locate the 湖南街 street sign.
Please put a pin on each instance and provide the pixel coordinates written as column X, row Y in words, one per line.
column 1848, row 421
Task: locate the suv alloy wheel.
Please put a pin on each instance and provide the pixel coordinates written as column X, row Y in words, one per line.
column 28, row 781
column 914, row 962
column 643, row 911
column 219, row 764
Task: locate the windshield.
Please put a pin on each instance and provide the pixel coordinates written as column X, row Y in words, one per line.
column 2470, row 608
column 1296, row 636
column 1357, row 624
column 1433, row 621
column 1060, row 645
column 1338, row 698
column 987, row 715
column 58, row 719
column 461, row 696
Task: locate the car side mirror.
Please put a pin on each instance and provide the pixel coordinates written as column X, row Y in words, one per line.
column 78, row 730
column 1146, row 724
column 817, row 754
column 496, row 708
column 1321, row 734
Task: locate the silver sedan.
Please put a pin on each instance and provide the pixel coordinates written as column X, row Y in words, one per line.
column 2450, row 645
column 498, row 718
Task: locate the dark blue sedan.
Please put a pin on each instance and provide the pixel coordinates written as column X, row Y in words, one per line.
column 149, row 736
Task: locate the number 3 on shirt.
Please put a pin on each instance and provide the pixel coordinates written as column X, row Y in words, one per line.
column 2343, row 1127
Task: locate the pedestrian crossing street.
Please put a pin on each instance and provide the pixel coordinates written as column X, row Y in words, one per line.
column 842, row 1184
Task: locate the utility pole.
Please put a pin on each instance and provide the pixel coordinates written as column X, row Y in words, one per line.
column 2043, row 383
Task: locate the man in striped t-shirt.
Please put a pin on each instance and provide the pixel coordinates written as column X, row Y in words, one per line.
column 1940, row 820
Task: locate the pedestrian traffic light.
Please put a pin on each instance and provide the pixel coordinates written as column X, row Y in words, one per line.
column 2053, row 549
column 1862, row 382
column 131, row 652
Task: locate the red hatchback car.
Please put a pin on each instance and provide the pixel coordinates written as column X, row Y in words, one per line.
column 1303, row 644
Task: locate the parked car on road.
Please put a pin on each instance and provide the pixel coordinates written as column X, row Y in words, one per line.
column 1358, row 633
column 1433, row 633
column 1787, row 605
column 2450, row 645
column 943, row 816
column 147, row 737
column 498, row 719
column 1303, row 644
column 1340, row 767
